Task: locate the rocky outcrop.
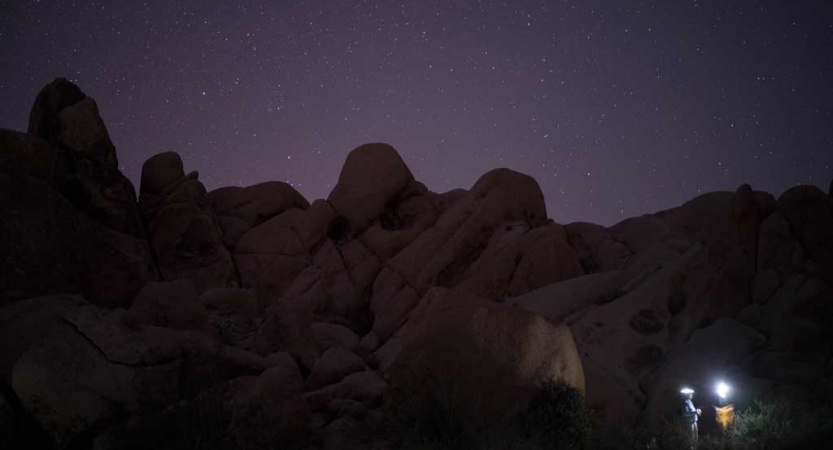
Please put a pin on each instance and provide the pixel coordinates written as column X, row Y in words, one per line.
column 81, row 161
column 182, row 227
column 519, row 350
column 49, row 248
column 93, row 368
column 277, row 320
column 240, row 209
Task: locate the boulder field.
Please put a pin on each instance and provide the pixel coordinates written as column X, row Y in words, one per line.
column 249, row 315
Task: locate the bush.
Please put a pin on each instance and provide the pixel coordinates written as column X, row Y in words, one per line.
column 782, row 423
column 556, row 419
column 773, row 424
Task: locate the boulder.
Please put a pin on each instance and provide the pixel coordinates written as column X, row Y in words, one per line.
column 101, row 193
column 366, row 387
column 258, row 203
column 778, row 249
column 182, row 227
column 596, row 248
column 65, row 117
column 27, row 323
column 97, row 365
column 70, row 387
column 448, row 199
column 558, row 302
column 330, row 335
column 286, row 329
column 798, row 317
column 636, row 234
column 810, row 215
column 372, row 178
column 269, row 256
column 518, row 259
column 171, row 304
column 49, row 247
column 161, row 171
column 441, row 255
column 332, row 367
column 727, row 216
column 233, row 229
column 452, row 339
column 631, row 336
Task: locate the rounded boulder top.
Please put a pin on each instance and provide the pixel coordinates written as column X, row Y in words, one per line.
column 371, row 177
column 161, row 170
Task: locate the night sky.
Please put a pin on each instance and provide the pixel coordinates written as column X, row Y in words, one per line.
column 617, row 108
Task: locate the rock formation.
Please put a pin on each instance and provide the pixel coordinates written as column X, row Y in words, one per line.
column 248, row 315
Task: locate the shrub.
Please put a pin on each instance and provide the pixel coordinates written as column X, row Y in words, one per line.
column 772, row 424
column 782, row 423
column 557, row 418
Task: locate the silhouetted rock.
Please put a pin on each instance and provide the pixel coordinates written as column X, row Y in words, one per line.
column 373, row 176
column 181, row 225
column 810, row 215
column 258, row 203
column 65, row 117
column 380, row 297
column 49, row 247
column 99, row 192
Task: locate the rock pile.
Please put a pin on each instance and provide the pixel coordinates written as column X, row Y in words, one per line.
column 249, row 316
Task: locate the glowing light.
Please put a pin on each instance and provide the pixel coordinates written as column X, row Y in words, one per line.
column 686, row 391
column 723, row 389
column 725, row 416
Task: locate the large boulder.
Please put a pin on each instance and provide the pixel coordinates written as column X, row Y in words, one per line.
column 518, row 259
column 182, row 228
column 65, row 117
column 27, row 323
column 49, row 247
column 98, row 366
column 258, row 203
column 810, row 214
column 443, row 254
column 70, row 387
column 559, row 302
column 269, row 256
column 101, row 193
column 778, row 249
column 452, row 339
column 373, row 178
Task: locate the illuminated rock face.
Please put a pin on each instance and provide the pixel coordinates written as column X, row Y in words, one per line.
column 327, row 310
column 452, row 339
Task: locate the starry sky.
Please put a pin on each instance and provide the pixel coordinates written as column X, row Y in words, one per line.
column 617, row 108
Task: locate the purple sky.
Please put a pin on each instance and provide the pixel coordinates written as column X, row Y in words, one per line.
column 617, row 108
